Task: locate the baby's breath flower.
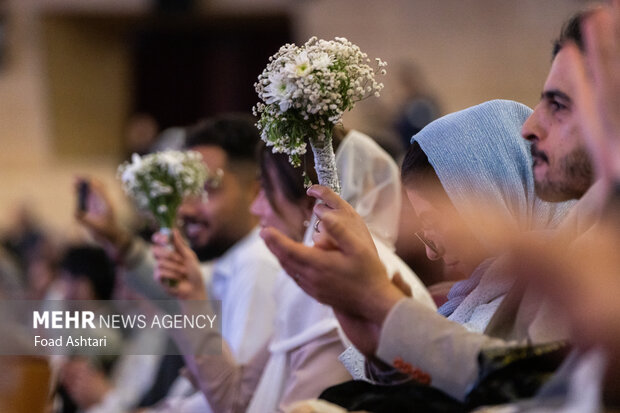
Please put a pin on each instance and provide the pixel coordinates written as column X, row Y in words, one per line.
column 158, row 182
column 314, row 85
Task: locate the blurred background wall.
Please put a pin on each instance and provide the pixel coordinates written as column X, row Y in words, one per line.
column 74, row 73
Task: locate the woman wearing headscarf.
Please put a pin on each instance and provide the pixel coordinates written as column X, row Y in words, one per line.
column 475, row 170
column 475, row 189
column 302, row 358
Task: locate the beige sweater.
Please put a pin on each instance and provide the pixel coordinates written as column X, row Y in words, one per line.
column 229, row 387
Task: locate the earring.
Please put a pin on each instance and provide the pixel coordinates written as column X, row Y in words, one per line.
column 306, row 223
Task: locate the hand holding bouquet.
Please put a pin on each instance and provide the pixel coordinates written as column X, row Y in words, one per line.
column 158, row 182
column 305, row 91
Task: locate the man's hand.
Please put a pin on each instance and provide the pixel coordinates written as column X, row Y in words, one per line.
column 178, row 270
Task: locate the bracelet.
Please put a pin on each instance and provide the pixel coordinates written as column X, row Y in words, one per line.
column 418, row 375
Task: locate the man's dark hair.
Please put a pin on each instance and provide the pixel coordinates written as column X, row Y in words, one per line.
column 571, row 31
column 92, row 263
column 416, row 167
column 235, row 133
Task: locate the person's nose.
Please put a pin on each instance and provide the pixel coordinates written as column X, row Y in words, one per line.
column 433, row 254
column 433, row 250
column 533, row 129
column 189, row 206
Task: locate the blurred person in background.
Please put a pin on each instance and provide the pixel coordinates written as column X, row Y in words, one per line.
column 112, row 384
column 11, row 277
column 34, row 252
column 25, row 235
column 87, row 274
column 418, row 108
column 141, row 133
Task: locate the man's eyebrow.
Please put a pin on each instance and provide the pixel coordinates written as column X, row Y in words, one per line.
column 553, row 94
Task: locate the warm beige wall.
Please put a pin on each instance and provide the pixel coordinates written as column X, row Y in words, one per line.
column 470, row 50
column 88, row 87
column 30, row 172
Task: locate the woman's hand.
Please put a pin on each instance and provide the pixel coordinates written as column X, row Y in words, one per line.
column 178, row 270
column 343, row 269
column 364, row 333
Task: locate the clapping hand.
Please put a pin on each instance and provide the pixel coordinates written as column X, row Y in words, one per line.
column 343, row 268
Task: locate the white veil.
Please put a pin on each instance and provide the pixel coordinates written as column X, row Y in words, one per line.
column 370, row 182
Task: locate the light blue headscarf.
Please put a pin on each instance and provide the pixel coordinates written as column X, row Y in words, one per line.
column 482, row 161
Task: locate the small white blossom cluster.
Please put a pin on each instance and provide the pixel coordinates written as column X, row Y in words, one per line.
column 158, row 182
column 306, row 90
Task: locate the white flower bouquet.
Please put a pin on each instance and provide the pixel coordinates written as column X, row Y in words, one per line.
column 305, row 91
column 158, row 182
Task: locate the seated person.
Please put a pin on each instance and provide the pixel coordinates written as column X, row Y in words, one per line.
column 237, row 268
column 584, row 279
column 483, row 165
column 87, row 274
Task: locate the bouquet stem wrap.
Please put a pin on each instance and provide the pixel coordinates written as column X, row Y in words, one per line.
column 168, row 233
column 159, row 182
column 325, row 163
